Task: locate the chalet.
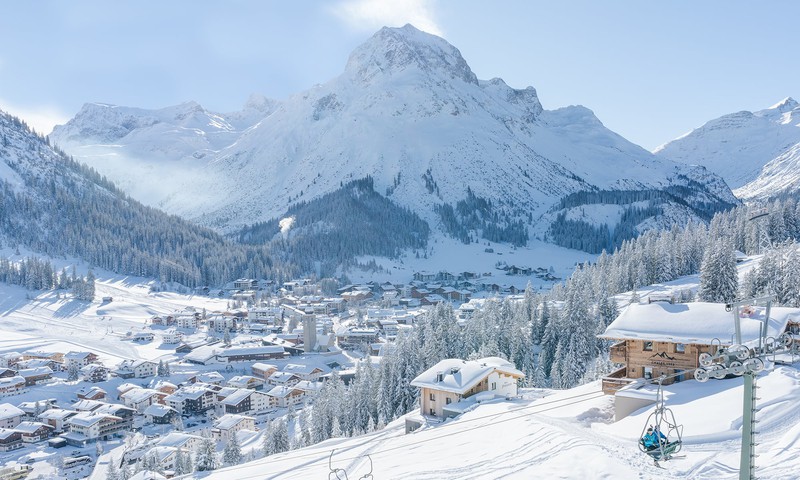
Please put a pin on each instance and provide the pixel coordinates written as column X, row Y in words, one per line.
column 136, row 369
column 141, row 337
column 357, row 297
column 92, row 393
column 309, row 388
column 32, row 363
column 203, row 355
column 159, row 414
column 36, row 376
column 191, row 400
column 10, row 440
column 246, row 296
column 453, row 380
column 7, row 372
column 348, row 338
column 41, row 354
column 10, row 416
column 246, row 381
column 94, row 372
column 263, row 370
column 184, row 441
column 245, row 284
column 432, row 299
column 252, row 354
column 10, row 359
column 283, row 379
column 221, row 323
column 165, row 458
column 305, row 372
column 141, row 398
column 34, row 432
column 79, row 359
column 245, row 401
column 268, row 315
column 57, row 418
column 33, row 409
column 125, row 414
column 187, row 320
column 210, row 378
column 424, row 276
column 661, row 338
column 284, row 396
column 125, row 387
column 89, row 427
column 228, row 425
column 87, row 405
column 171, row 336
column 165, row 387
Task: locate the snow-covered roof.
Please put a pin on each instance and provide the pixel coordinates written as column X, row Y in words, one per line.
column 458, row 376
column 30, row 427
column 694, row 323
column 301, row 369
column 281, row 391
column 157, row 410
column 230, row 420
column 56, row 414
column 137, row 395
column 210, row 377
column 35, row 372
column 9, row 411
column 237, row 397
column 264, row 366
column 266, row 349
column 177, row 439
column 9, row 381
column 85, row 419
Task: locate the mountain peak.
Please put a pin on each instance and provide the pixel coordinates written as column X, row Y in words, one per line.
column 407, row 50
column 785, row 105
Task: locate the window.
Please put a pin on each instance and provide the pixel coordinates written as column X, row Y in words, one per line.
column 680, row 348
column 648, row 372
column 648, row 346
column 432, row 411
column 448, row 400
column 432, row 397
column 494, row 385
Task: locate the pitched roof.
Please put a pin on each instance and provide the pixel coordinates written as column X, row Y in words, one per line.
column 458, row 376
column 694, row 323
column 9, row 411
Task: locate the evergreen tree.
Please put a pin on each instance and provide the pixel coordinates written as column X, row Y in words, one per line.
column 205, row 458
column 232, row 455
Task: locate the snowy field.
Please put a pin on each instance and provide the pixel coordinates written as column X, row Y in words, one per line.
column 53, row 323
column 453, row 256
column 565, row 435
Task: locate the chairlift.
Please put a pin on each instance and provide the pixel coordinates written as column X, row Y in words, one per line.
column 661, row 435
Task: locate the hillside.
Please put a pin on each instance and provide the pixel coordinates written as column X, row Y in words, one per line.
column 757, row 153
column 408, row 112
column 55, row 206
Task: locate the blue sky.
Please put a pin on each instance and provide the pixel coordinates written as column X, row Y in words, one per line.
column 650, row 70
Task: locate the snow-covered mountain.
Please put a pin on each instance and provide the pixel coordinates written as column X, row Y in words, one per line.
column 757, row 153
column 408, row 112
column 54, row 206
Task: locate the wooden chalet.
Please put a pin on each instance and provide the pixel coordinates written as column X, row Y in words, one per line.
column 662, row 338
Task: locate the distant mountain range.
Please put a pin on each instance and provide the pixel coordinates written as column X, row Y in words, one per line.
column 757, row 153
column 474, row 159
column 55, row 206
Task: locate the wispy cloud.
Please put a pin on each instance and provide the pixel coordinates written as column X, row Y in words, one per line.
column 41, row 118
column 369, row 15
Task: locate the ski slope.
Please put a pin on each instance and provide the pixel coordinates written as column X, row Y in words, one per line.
column 567, row 434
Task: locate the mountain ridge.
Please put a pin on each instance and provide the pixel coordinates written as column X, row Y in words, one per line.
column 408, row 112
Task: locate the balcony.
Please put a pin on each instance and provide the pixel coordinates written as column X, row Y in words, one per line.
column 615, row 380
column 618, row 353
